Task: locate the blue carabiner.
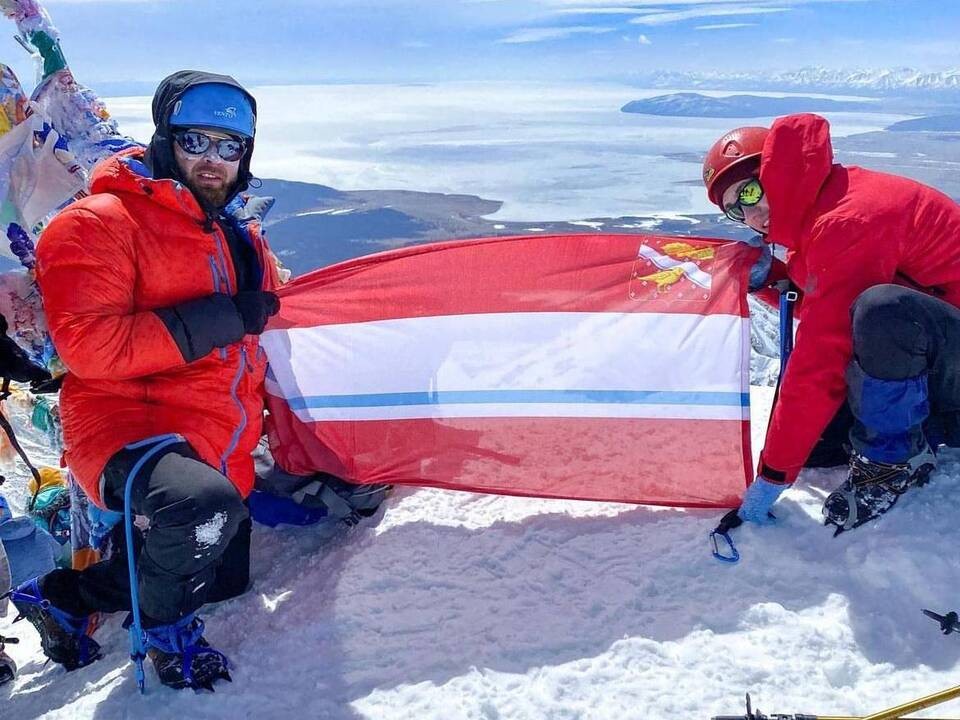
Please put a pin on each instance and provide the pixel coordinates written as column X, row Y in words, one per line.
column 734, row 554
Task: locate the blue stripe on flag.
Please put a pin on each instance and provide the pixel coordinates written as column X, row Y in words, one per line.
column 509, row 397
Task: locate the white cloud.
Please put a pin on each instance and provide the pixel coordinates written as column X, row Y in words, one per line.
column 656, row 4
column 532, row 35
column 644, row 40
column 665, row 18
column 677, row 9
column 724, row 26
column 604, row 11
column 54, row 3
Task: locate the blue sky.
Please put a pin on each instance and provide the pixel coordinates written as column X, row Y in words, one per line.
column 431, row 40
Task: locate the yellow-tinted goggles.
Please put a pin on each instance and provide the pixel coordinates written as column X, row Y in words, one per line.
column 750, row 194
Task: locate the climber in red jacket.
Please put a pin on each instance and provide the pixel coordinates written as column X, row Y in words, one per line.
column 156, row 288
column 876, row 259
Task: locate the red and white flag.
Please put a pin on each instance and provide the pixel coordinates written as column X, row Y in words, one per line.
column 601, row 367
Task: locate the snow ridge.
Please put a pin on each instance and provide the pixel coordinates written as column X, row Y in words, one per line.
column 877, row 81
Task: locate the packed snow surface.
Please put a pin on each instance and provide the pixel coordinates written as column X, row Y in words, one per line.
column 453, row 605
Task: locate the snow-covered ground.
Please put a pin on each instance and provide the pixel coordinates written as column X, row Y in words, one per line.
column 453, row 605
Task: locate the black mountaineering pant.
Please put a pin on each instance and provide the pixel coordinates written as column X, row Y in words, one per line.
column 197, row 523
column 904, row 336
column 898, row 333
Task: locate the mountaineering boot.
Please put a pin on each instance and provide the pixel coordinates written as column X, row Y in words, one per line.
column 63, row 636
column 8, row 668
column 872, row 488
column 181, row 656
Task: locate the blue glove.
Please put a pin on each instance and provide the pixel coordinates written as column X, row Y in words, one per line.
column 758, row 500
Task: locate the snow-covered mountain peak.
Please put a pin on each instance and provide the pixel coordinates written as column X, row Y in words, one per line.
column 870, row 81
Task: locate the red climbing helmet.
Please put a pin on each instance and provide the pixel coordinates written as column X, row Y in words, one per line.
column 738, row 149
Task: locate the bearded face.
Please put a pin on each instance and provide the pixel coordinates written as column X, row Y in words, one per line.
column 207, row 174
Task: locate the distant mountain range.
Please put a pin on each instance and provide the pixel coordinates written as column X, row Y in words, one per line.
column 932, row 123
column 738, row 106
column 869, row 82
column 313, row 225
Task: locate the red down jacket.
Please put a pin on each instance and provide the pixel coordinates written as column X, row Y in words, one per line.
column 103, row 265
column 846, row 229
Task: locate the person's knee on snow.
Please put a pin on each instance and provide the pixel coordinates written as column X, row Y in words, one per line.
column 194, row 513
column 207, row 510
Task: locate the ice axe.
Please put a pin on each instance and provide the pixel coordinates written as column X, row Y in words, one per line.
column 895, row 713
column 723, row 546
column 949, row 623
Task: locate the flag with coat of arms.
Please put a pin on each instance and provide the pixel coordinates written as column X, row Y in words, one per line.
column 589, row 366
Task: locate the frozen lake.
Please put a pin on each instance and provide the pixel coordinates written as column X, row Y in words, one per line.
column 549, row 152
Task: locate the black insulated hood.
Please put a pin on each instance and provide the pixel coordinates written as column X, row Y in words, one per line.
column 159, row 155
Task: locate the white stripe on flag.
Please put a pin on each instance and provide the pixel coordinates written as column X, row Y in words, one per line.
column 514, row 365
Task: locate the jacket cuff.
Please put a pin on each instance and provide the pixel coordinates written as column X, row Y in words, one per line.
column 199, row 326
column 775, row 476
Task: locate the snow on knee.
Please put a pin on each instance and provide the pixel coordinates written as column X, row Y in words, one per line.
column 209, row 533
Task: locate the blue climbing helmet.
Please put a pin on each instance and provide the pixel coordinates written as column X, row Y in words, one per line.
column 216, row 106
column 200, row 99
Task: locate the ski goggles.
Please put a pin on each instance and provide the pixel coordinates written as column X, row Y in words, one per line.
column 194, row 142
column 750, row 194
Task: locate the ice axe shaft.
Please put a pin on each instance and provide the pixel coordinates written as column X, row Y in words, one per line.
column 801, row 716
column 895, row 713
column 788, row 299
column 812, row 717
column 724, row 549
column 916, row 705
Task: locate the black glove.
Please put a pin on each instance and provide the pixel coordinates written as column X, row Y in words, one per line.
column 217, row 320
column 198, row 326
column 15, row 364
column 255, row 308
column 50, row 385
